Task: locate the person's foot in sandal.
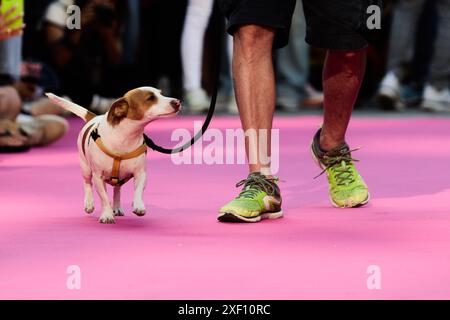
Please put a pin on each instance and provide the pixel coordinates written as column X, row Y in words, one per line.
column 43, row 130
column 12, row 138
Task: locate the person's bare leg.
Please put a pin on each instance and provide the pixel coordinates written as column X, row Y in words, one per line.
column 342, row 77
column 254, row 83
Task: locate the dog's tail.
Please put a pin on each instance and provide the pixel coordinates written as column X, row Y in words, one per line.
column 83, row 113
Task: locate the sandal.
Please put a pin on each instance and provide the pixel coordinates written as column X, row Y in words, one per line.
column 12, row 138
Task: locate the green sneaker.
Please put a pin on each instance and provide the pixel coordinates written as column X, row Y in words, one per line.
column 259, row 199
column 347, row 188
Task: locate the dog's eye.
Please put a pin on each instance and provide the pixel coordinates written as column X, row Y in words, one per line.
column 151, row 98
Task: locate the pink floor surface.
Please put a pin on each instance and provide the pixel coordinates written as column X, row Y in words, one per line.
column 179, row 251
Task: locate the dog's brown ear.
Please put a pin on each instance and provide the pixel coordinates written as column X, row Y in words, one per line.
column 118, row 111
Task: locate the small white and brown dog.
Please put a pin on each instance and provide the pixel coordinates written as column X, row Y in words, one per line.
column 111, row 146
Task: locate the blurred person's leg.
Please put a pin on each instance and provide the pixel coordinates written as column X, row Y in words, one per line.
column 28, row 130
column 231, row 107
column 423, row 53
column 131, row 37
column 121, row 77
column 76, row 77
column 226, row 96
column 12, row 138
column 11, row 57
column 293, row 68
column 10, row 60
column 197, row 18
column 401, row 50
column 293, row 63
column 403, row 30
column 437, row 90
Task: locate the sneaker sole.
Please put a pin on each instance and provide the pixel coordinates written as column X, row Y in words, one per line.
column 316, row 160
column 347, row 207
column 435, row 106
column 390, row 103
column 232, row 217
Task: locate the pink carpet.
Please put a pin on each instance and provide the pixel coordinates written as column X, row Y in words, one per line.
column 179, row 251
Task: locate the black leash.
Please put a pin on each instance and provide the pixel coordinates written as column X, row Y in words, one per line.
column 152, row 145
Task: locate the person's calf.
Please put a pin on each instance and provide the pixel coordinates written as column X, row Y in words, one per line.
column 342, row 78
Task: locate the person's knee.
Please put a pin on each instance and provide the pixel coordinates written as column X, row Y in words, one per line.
column 10, row 103
column 254, row 37
column 348, row 56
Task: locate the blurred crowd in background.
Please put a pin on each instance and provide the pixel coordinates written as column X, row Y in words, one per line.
column 174, row 45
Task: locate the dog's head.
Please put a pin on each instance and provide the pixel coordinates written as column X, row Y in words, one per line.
column 144, row 105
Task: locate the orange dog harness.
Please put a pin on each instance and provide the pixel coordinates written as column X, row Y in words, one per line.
column 115, row 180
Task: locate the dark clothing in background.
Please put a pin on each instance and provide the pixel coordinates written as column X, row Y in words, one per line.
column 331, row 24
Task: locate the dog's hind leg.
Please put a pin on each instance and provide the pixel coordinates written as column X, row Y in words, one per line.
column 117, row 209
column 88, row 192
column 107, row 212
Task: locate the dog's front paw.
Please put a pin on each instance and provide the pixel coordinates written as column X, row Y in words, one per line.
column 139, row 209
column 107, row 218
column 118, row 212
column 89, row 206
column 89, row 210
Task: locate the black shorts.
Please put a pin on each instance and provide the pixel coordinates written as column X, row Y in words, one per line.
column 331, row 24
column 271, row 13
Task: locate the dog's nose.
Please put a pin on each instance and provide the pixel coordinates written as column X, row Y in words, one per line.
column 176, row 104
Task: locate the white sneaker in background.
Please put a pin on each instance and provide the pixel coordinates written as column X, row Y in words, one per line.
column 313, row 97
column 101, row 105
column 389, row 93
column 436, row 100
column 287, row 104
column 197, row 101
column 232, row 107
column 44, row 129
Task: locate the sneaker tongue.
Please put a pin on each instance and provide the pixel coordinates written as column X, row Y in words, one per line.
column 255, row 174
column 338, row 151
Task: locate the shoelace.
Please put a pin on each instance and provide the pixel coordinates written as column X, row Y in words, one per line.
column 254, row 184
column 340, row 164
